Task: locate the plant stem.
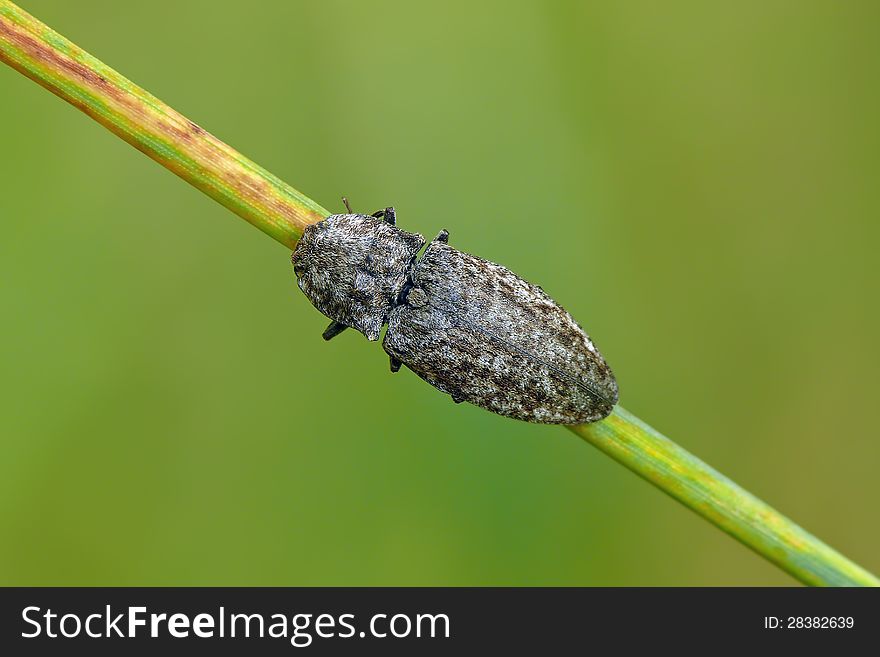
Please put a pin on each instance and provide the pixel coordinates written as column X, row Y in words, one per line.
column 682, row 475
column 282, row 212
column 152, row 127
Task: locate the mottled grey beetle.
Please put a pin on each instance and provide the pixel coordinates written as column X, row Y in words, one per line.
column 469, row 327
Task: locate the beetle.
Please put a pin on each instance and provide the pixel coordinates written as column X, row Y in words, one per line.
column 470, row 327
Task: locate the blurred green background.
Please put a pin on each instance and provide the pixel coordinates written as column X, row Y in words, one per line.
column 696, row 182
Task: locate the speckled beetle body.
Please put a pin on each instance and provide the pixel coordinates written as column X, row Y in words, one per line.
column 471, row 328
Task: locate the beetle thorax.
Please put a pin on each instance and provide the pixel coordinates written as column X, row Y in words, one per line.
column 352, row 268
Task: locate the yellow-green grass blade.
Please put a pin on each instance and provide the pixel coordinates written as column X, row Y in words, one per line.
column 154, row 128
column 703, row 489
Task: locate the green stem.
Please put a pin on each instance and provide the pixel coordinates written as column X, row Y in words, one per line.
column 703, row 489
column 152, row 127
column 282, row 212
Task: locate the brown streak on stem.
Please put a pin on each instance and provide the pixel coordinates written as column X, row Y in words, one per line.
column 210, row 155
column 52, row 59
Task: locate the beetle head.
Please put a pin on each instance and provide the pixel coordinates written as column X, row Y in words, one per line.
column 353, row 266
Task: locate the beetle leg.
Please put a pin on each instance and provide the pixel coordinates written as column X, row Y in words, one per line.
column 395, row 364
column 388, row 214
column 347, row 206
column 333, row 330
column 442, row 237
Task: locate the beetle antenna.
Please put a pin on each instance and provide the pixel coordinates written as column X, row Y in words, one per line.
column 347, row 206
